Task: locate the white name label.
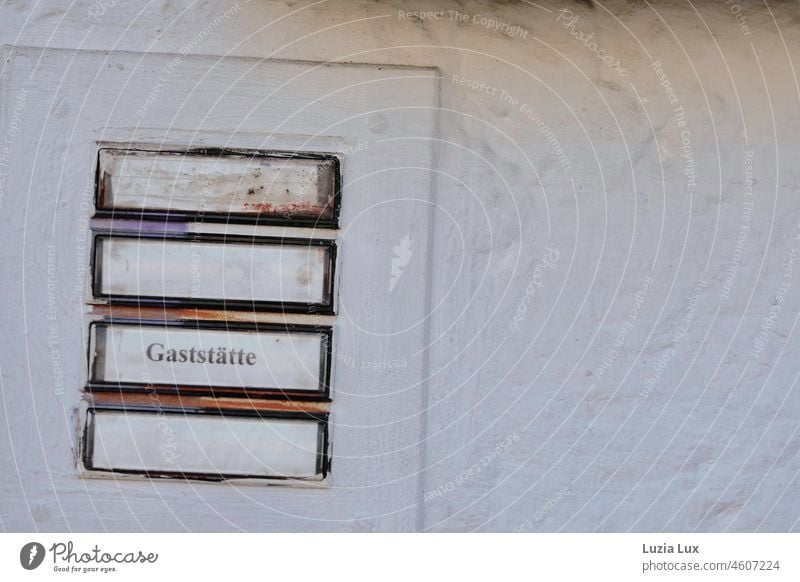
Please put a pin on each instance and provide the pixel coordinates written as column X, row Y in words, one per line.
column 201, row 272
column 203, row 446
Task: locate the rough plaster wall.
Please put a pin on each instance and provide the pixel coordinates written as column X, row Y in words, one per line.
column 527, row 429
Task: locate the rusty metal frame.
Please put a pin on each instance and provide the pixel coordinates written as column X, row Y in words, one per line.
column 218, row 314
column 103, row 210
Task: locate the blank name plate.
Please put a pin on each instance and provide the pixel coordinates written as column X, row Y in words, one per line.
column 213, row 446
column 229, row 185
column 147, row 353
column 206, row 271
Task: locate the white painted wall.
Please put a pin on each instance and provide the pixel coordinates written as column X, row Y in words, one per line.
column 568, row 218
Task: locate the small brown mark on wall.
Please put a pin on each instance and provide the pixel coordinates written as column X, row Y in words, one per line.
column 304, row 275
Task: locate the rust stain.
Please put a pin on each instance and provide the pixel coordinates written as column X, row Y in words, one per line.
column 291, row 208
column 264, row 207
column 304, row 275
column 193, row 314
column 208, row 402
column 184, row 313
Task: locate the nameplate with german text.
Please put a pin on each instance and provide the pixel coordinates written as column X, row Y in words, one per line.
column 211, row 356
